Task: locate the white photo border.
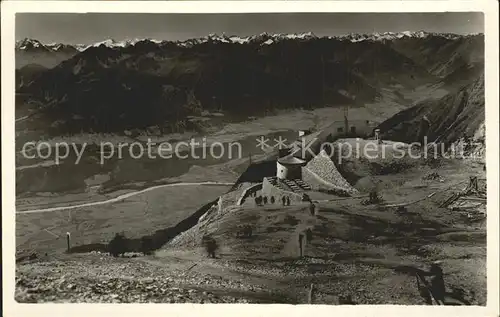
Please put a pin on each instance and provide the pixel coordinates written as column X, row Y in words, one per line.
column 10, row 8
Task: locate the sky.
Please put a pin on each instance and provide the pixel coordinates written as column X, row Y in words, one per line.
column 87, row 28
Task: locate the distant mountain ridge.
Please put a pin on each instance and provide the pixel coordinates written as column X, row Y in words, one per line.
column 149, row 82
column 32, row 51
column 30, row 44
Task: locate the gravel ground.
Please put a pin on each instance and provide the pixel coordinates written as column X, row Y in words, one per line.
column 101, row 278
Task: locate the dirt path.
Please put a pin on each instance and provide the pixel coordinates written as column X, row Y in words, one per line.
column 121, row 197
column 22, row 118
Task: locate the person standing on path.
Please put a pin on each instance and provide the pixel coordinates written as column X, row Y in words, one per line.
column 301, row 244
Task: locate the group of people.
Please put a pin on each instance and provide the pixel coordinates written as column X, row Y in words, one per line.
column 285, row 200
column 259, row 200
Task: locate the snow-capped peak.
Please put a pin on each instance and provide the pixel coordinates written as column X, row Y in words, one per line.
column 56, row 47
column 107, row 43
column 111, row 43
column 262, row 38
column 27, row 44
column 382, row 36
column 240, row 40
column 81, row 47
column 302, row 36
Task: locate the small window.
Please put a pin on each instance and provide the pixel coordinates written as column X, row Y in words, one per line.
column 367, row 122
column 340, row 130
column 353, row 129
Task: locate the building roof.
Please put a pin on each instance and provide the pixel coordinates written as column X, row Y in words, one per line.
column 318, row 136
column 291, row 160
column 311, row 137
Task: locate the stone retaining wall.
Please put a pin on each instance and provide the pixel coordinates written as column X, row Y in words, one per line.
column 322, row 167
column 248, row 192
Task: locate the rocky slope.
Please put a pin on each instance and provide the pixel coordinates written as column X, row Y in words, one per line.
column 447, row 57
column 26, row 74
column 457, row 115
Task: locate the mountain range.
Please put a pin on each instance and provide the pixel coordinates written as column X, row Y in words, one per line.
column 112, row 85
column 29, row 46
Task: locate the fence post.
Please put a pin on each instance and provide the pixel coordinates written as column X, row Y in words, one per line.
column 301, row 244
column 68, row 235
column 310, row 294
column 473, row 181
